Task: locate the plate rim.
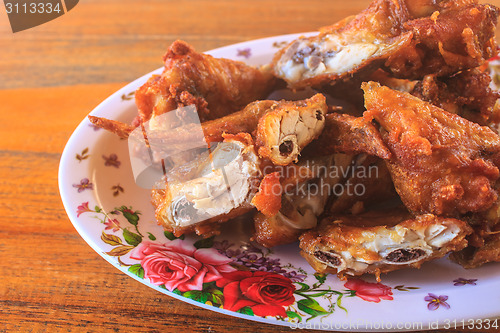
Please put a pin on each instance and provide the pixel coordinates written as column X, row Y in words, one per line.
column 66, row 157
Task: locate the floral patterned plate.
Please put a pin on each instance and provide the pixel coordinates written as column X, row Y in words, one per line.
column 228, row 273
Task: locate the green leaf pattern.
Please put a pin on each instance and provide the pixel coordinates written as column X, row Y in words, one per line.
column 311, row 300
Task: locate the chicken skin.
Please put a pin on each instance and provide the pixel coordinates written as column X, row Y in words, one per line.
column 215, row 86
column 378, row 242
column 442, row 164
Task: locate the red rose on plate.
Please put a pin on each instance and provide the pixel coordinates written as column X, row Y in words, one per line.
column 371, row 292
column 179, row 265
column 265, row 293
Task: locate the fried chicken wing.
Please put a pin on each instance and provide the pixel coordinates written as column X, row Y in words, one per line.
column 378, row 242
column 215, row 86
column 484, row 242
column 467, row 94
column 367, row 183
column 283, row 128
column 221, row 189
column 301, row 203
column 345, row 47
column 225, row 85
column 350, row 135
column 283, row 132
column 458, row 36
column 442, row 164
column 409, row 38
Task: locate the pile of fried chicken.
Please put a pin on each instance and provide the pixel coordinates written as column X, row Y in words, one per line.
column 416, row 106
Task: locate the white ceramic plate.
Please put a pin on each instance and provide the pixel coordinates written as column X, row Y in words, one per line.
column 228, row 274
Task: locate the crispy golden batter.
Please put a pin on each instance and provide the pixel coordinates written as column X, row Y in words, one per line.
column 219, row 190
column 283, row 132
column 216, row 87
column 302, row 200
column 442, row 164
column 378, row 242
column 196, row 78
column 345, row 47
column 467, row 94
column 372, row 181
column 277, row 124
column 457, row 36
column 350, row 135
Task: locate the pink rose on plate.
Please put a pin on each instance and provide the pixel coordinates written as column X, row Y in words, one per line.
column 180, row 265
column 371, row 292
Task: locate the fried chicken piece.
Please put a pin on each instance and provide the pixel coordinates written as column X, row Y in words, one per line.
column 221, row 189
column 216, row 87
column 225, row 85
column 387, row 80
column 345, row 47
column 458, row 36
column 300, row 203
column 277, row 124
column 441, row 163
column 368, row 183
column 350, row 135
column 402, row 36
column 473, row 257
column 484, row 242
column 268, row 198
column 380, row 241
column 165, row 140
column 117, row 127
column 283, row 132
column 467, row 94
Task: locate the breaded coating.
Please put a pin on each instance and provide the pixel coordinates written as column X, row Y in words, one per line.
column 458, row 36
column 283, row 132
column 345, row 47
column 442, row 164
column 216, row 87
column 350, row 135
column 301, row 203
column 380, row 242
column 221, row 189
column 467, row 94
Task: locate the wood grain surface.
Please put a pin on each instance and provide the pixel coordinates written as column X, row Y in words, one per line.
column 51, row 77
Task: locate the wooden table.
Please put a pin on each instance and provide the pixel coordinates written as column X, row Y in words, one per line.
column 51, row 77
